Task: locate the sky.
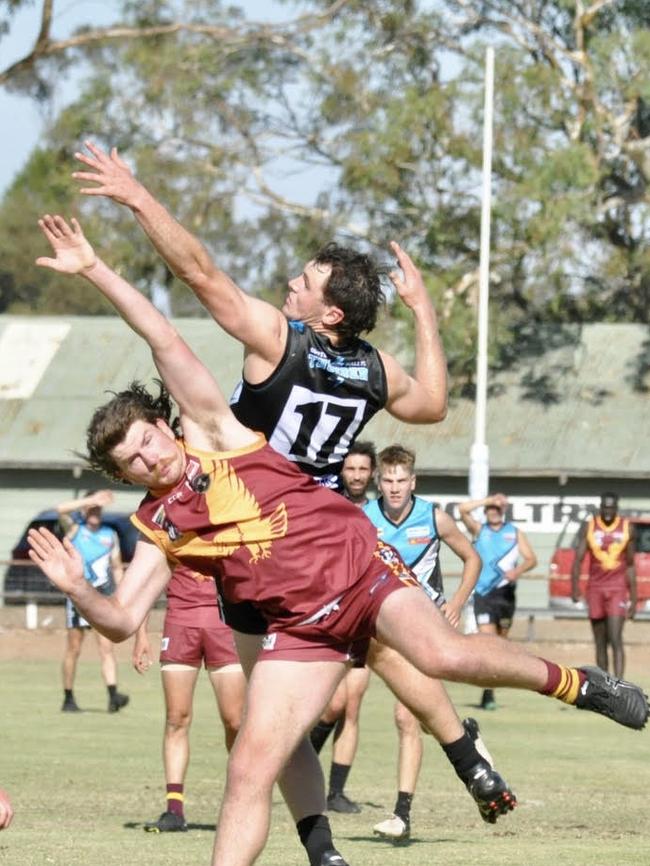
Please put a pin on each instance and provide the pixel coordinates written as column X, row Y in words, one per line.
column 21, row 115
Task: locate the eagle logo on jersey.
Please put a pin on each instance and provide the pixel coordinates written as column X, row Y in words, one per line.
column 229, row 501
column 607, row 543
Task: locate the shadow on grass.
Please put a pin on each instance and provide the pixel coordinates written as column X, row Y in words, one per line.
column 139, row 825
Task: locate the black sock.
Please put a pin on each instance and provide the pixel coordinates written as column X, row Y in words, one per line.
column 338, row 777
column 319, row 734
column 316, row 836
column 462, row 755
column 68, row 696
column 488, row 697
column 403, row 806
column 111, row 691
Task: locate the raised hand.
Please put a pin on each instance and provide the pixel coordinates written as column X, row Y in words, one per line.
column 101, row 498
column 112, row 175
column 410, row 288
column 73, row 253
column 59, row 561
column 141, row 655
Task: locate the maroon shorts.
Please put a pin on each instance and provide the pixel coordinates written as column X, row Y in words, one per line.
column 341, row 629
column 607, row 600
column 191, row 645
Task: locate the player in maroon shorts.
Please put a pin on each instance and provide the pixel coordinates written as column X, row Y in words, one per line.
column 223, row 502
column 193, row 635
column 608, row 539
column 310, row 383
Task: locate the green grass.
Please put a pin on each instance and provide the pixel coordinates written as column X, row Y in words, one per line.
column 82, row 785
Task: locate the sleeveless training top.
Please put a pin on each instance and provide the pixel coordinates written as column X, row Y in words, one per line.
column 266, row 531
column 607, row 549
column 316, row 402
column 415, row 539
column 499, row 552
column 96, row 547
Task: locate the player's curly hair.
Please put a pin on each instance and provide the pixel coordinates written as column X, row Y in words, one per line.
column 111, row 422
column 354, row 286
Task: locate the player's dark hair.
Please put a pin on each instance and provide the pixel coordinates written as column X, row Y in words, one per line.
column 111, row 422
column 397, row 455
column 609, row 496
column 354, row 285
column 365, row 449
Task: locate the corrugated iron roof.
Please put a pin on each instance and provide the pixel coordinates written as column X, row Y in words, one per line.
column 578, row 409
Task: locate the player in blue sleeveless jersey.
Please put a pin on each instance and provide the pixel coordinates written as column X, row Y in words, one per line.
column 99, row 547
column 505, row 554
column 416, row 528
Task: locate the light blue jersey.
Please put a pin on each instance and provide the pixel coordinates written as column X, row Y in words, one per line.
column 415, row 539
column 499, row 552
column 96, row 548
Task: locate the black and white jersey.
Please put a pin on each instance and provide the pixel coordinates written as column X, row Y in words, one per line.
column 316, row 402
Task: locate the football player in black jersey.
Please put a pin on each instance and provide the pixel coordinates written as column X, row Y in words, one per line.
column 310, row 384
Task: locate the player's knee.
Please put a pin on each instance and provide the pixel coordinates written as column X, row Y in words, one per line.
column 406, row 723
column 178, row 721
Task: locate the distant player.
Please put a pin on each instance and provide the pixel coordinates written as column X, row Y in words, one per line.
column 99, row 548
column 416, row 528
column 505, row 554
column 342, row 714
column 193, row 636
column 608, row 540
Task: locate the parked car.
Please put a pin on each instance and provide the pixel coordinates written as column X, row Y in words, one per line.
column 559, row 585
column 27, row 579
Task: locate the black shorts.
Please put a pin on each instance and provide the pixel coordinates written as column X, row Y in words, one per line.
column 241, row 616
column 497, row 607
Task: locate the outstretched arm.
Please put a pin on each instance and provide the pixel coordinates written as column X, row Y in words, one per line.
column 206, row 416
column 456, row 541
column 258, row 325
column 422, row 397
column 116, row 616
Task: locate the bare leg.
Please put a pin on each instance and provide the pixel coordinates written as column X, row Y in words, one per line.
column 74, row 640
column 284, row 699
column 410, row 749
column 615, row 640
column 229, row 684
column 336, row 707
column 424, row 696
column 107, row 659
column 436, row 649
column 346, row 738
column 178, row 686
column 301, row 781
column 599, row 630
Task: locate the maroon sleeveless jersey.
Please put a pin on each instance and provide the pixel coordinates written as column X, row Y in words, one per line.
column 192, row 599
column 269, row 533
column 607, row 546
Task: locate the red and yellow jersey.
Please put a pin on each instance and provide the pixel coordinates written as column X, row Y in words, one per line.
column 192, row 599
column 267, row 531
column 607, row 548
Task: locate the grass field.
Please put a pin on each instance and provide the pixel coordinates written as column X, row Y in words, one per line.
column 83, row 784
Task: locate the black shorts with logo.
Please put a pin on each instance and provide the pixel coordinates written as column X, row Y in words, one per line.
column 497, row 606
